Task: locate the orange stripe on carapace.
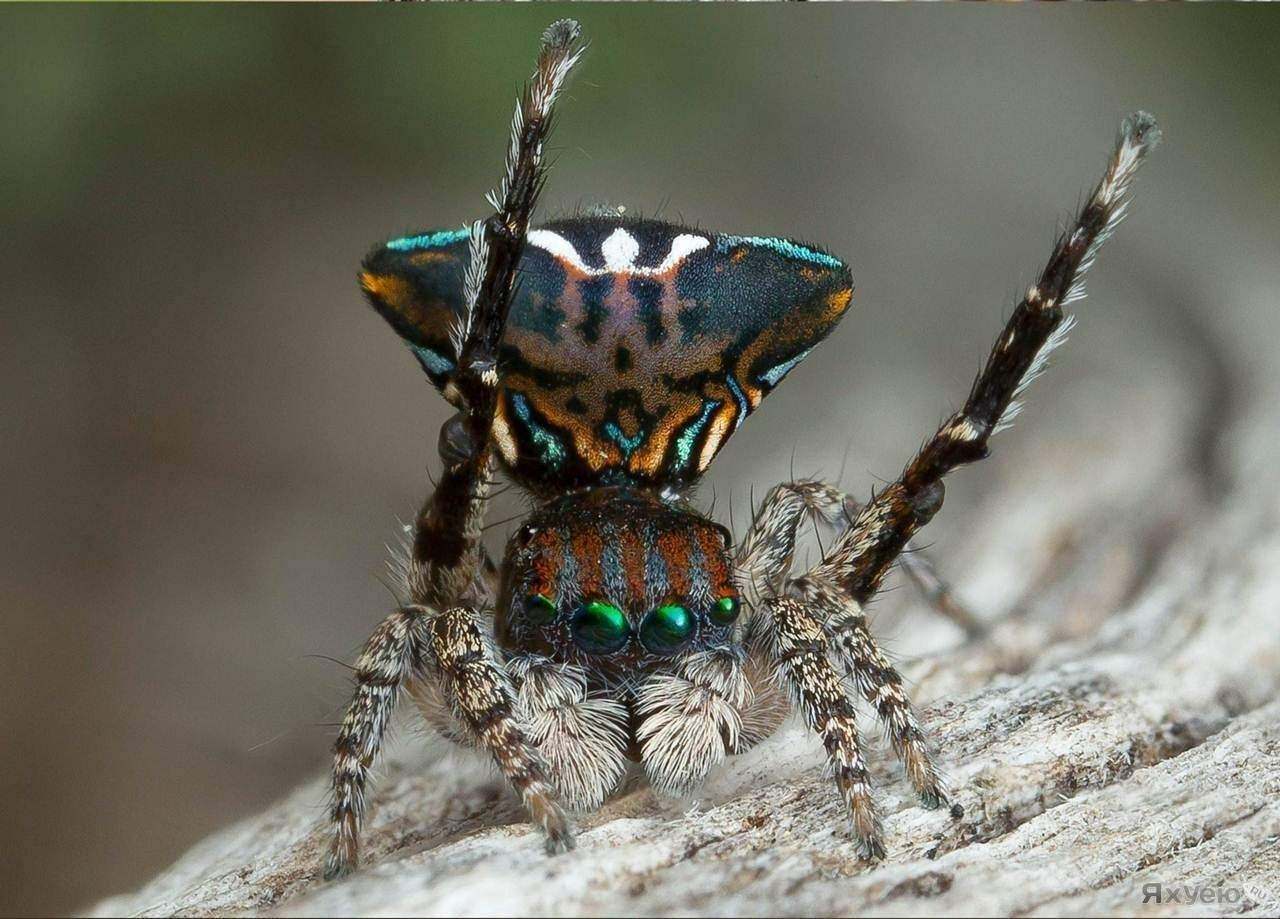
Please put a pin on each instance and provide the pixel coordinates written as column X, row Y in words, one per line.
column 587, row 547
column 547, row 562
column 632, row 547
column 715, row 561
column 677, row 551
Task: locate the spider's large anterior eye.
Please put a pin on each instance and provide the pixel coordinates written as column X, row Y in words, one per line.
column 666, row 628
column 600, row 628
column 726, row 610
column 539, row 609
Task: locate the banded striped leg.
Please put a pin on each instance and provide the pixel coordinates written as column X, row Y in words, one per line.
column 581, row 737
column 447, row 558
column 391, row 656
column 429, row 652
column 483, row 699
column 766, row 553
column 766, row 550
column 856, row 563
column 797, row 645
column 859, row 559
column 852, row 645
column 446, row 563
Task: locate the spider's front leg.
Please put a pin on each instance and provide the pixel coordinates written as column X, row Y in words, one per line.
column 439, row 636
column 484, row 701
column 450, row 648
column 819, row 616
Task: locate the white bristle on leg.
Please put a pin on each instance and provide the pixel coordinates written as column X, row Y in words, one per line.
column 471, row 282
column 1038, row 366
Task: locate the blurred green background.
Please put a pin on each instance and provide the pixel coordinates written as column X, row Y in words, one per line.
column 207, row 437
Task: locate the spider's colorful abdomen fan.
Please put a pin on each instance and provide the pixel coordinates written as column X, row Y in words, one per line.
column 633, row 349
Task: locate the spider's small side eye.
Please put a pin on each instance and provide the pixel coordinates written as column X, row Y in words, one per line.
column 526, row 533
column 600, row 627
column 539, row 609
column 726, row 610
column 666, row 628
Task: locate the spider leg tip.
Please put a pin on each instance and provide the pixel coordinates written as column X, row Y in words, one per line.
column 871, row 848
column 934, row 798
column 560, row 842
column 1140, row 129
column 562, row 33
column 336, row 868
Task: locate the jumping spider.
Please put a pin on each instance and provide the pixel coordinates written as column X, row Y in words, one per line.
column 601, row 363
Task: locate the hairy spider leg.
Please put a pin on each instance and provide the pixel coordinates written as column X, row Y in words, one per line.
column 446, row 557
column 859, row 559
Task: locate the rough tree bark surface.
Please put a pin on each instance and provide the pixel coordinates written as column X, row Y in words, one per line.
column 1119, row 728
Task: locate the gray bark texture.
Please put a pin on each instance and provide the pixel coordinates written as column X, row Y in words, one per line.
column 1118, row 728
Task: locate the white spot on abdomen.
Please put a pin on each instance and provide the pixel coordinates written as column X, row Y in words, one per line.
column 620, row 251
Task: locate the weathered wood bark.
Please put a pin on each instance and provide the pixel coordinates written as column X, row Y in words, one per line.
column 1120, row 728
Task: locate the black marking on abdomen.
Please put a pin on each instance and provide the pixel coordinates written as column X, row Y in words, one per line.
column 629, row 398
column 593, row 292
column 513, row 362
column 648, row 295
column 537, row 306
column 693, row 322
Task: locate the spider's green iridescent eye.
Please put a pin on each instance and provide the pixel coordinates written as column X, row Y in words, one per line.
column 726, row 610
column 600, row 628
column 666, row 628
column 539, row 609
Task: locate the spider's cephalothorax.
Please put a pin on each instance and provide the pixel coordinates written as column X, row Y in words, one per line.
column 618, row 581
column 602, row 363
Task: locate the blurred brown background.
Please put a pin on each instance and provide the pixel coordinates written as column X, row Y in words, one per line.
column 207, row 437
